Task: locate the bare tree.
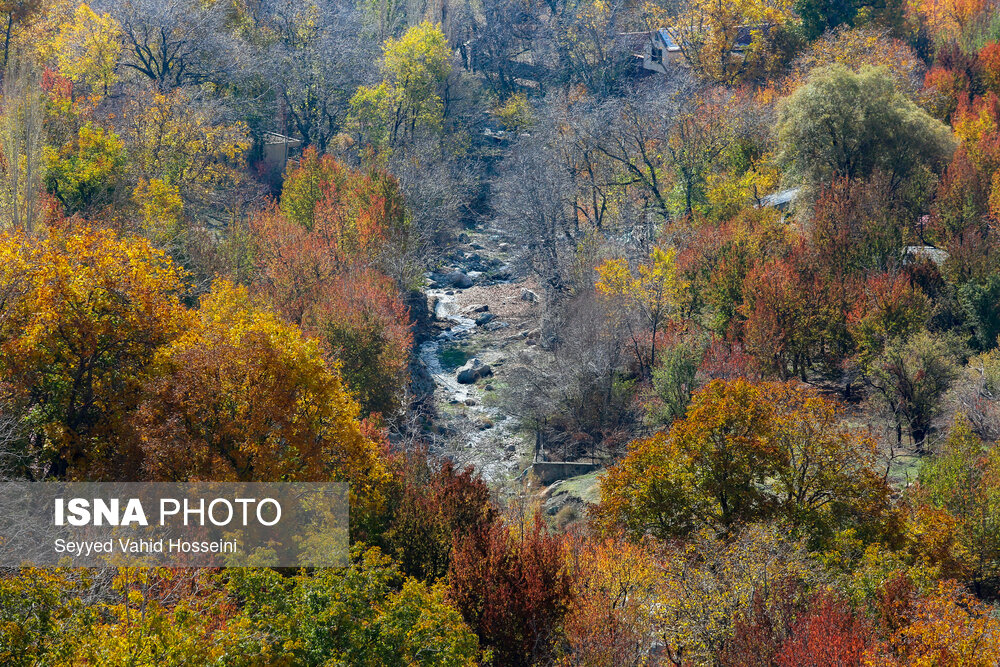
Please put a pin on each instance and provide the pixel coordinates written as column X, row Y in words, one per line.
column 384, row 18
column 21, row 139
column 591, row 47
column 502, row 43
column 977, row 395
column 534, row 208
column 570, row 396
column 321, row 57
column 175, row 43
column 587, row 170
column 438, row 189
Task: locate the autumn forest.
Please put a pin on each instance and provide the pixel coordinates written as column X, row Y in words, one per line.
column 644, row 332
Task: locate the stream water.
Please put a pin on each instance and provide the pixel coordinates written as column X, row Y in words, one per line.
column 476, row 434
column 446, row 308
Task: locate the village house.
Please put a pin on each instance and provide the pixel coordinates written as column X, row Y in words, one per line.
column 660, row 50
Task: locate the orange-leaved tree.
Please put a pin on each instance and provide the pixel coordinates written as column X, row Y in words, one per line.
column 616, row 591
column 428, row 509
column 324, row 256
column 946, row 626
column 366, row 327
column 949, row 20
column 793, row 317
column 746, row 452
column 243, row 396
column 82, row 316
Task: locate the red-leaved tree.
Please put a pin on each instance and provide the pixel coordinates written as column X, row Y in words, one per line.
column 511, row 586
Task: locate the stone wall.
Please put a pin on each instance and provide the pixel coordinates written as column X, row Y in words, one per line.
column 552, row 471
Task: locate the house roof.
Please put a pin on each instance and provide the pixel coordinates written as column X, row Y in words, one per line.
column 744, row 36
column 782, row 198
column 635, row 41
column 275, row 138
column 668, row 40
column 913, row 252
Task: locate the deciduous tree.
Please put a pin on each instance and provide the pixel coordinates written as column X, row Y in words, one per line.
column 910, row 378
column 652, row 292
column 708, row 31
column 78, row 339
column 366, row 614
column 83, row 174
column 88, row 48
column 430, row 510
column 963, row 480
column 511, row 586
column 845, row 124
column 243, row 396
column 21, row 141
column 617, row 588
column 744, row 452
column 410, row 97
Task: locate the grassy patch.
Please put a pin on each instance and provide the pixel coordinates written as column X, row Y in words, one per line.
column 494, row 399
column 585, row 487
column 453, row 356
column 904, row 469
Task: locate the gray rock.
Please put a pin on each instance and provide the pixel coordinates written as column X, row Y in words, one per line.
column 458, row 279
column 472, row 371
column 528, row 295
column 503, row 273
column 484, row 319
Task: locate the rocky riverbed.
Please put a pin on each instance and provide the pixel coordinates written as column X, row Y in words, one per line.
column 483, row 317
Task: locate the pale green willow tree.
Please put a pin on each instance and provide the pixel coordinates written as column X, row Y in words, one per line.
column 846, row 124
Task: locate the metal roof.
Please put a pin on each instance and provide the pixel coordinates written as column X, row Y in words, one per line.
column 783, row 198
column 668, row 40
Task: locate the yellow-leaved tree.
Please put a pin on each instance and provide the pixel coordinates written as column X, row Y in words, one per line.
column 645, row 299
column 748, row 452
column 409, row 99
column 617, row 590
column 161, row 209
column 87, row 49
column 729, row 41
column 175, row 140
